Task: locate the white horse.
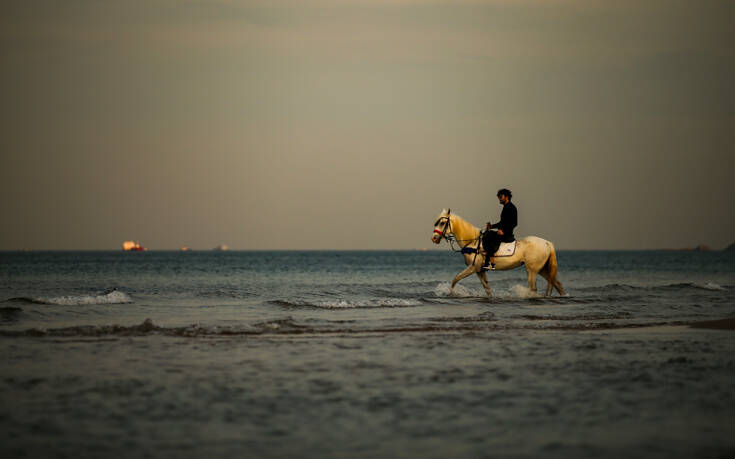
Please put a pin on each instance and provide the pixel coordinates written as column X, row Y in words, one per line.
column 537, row 254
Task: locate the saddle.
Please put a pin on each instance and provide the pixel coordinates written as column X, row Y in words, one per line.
column 506, row 249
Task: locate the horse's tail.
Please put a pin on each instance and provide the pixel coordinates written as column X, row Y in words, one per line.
column 552, row 264
column 553, row 269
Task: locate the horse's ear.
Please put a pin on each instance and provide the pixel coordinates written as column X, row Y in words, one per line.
column 449, row 211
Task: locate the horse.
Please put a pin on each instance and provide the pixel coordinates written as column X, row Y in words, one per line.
column 536, row 253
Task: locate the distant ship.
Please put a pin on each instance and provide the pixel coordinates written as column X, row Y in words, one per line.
column 220, row 248
column 131, row 246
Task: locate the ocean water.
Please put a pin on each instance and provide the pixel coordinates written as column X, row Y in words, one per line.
column 363, row 354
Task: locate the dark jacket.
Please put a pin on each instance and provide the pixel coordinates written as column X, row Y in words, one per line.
column 508, row 221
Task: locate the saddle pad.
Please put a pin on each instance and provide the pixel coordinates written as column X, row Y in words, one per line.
column 506, row 249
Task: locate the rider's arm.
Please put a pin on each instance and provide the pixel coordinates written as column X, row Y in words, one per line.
column 508, row 220
column 501, row 224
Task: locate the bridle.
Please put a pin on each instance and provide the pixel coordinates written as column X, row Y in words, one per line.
column 443, row 233
column 449, row 237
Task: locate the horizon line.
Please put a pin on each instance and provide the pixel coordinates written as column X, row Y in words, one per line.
column 661, row 249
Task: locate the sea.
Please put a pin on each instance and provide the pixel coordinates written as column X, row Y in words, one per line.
column 364, row 354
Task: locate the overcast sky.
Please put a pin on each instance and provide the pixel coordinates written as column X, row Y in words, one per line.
column 350, row 124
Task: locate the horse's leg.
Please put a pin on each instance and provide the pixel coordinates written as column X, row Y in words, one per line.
column 466, row 272
column 559, row 287
column 531, row 278
column 549, row 284
column 483, row 278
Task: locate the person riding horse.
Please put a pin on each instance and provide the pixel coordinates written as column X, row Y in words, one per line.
column 508, row 220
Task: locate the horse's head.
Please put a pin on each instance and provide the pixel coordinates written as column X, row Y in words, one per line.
column 441, row 226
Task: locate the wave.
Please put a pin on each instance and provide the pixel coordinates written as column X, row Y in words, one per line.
column 111, row 297
column 350, row 304
column 288, row 326
column 689, row 286
column 147, row 327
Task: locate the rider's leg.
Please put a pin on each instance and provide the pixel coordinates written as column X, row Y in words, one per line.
column 490, row 242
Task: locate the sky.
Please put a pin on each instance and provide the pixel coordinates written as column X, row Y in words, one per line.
column 328, row 124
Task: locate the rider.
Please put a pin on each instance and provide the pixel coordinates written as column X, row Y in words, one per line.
column 508, row 220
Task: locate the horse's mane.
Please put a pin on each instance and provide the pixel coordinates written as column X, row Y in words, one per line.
column 464, row 230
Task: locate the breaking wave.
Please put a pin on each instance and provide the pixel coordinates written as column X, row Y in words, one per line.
column 712, row 286
column 111, row 297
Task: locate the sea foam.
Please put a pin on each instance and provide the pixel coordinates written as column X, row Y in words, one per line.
column 386, row 302
column 460, row 291
column 339, row 303
column 444, row 289
column 712, row 286
column 112, row 297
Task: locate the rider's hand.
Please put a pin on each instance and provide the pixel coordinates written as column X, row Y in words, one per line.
column 500, row 232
